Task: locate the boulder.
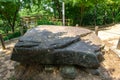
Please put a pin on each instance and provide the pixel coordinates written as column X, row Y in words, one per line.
column 59, row 45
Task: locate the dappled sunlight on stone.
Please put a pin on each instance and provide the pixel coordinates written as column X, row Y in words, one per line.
column 109, row 68
column 63, row 48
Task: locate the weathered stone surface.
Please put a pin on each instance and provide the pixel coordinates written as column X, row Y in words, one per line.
column 58, row 45
column 93, row 71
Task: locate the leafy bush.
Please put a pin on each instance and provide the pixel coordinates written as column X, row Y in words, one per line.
column 14, row 35
column 44, row 21
column 1, row 32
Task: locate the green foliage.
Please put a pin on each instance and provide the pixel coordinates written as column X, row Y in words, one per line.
column 12, row 78
column 45, row 21
column 1, row 32
column 91, row 12
column 13, row 35
column 82, row 12
column 9, row 10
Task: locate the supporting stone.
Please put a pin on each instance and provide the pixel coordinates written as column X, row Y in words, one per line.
column 96, row 30
column 2, row 42
column 68, row 72
column 76, row 25
column 118, row 45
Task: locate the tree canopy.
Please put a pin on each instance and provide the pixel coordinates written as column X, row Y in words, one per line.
column 9, row 10
column 82, row 12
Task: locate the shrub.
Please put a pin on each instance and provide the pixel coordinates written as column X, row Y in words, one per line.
column 14, row 35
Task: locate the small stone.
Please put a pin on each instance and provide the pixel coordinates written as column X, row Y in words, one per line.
column 68, row 72
column 7, row 62
column 7, row 58
column 8, row 75
column 3, row 66
column 10, row 67
column 2, row 70
column 2, row 58
column 49, row 68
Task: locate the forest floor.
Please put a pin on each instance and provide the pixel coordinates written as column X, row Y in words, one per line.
column 109, row 69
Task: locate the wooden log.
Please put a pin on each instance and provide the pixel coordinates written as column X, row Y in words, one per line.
column 118, row 45
column 96, row 30
column 2, row 42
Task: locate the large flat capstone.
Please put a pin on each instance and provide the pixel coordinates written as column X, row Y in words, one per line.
column 57, row 45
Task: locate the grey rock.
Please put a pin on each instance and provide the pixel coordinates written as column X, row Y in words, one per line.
column 10, row 67
column 8, row 75
column 49, row 68
column 57, row 45
column 2, row 70
column 68, row 72
column 93, row 71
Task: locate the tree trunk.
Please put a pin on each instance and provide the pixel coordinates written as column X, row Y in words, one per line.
column 13, row 30
column 14, row 19
column 81, row 14
column 113, row 13
column 2, row 41
column 95, row 14
column 58, row 8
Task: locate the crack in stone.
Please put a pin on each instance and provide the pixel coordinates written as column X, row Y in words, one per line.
column 77, row 39
column 26, row 44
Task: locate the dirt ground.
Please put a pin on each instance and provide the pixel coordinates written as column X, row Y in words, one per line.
column 109, row 69
column 111, row 64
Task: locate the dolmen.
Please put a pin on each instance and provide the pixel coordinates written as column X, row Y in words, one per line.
column 64, row 48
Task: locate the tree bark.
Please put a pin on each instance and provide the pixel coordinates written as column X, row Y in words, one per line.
column 2, row 42
column 95, row 14
column 81, row 14
column 58, row 8
column 14, row 19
